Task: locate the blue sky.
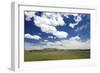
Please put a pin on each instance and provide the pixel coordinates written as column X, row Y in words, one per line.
column 47, row 29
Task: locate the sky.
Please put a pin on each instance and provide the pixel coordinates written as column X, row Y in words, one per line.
column 61, row 30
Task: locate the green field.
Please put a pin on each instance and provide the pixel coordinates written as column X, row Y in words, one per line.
column 43, row 55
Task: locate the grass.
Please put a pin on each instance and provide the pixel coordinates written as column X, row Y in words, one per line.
column 43, row 55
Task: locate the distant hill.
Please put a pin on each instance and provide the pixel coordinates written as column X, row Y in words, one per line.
column 51, row 49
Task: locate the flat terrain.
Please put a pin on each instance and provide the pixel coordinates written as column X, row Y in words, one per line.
column 43, row 55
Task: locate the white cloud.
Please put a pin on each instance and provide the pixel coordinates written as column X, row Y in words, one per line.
column 29, row 15
column 66, row 15
column 77, row 19
column 55, row 19
column 39, row 21
column 48, row 29
column 48, row 22
column 63, row 44
column 69, row 44
column 75, row 38
column 75, row 44
column 29, row 46
column 72, row 25
column 51, row 19
column 60, row 34
column 45, row 40
column 29, row 36
column 50, row 37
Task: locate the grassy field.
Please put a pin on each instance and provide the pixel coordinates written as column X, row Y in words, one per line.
column 56, row 55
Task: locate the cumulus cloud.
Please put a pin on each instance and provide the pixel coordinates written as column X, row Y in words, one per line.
column 48, row 29
column 60, row 34
column 29, row 36
column 48, row 22
column 53, row 19
column 29, row 15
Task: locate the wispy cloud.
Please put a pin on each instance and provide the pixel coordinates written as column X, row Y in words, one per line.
column 81, row 28
column 77, row 19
